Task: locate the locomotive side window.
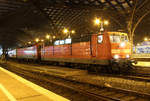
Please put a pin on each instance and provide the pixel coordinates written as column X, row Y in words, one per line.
column 56, row 42
column 61, row 42
column 100, row 38
column 68, row 41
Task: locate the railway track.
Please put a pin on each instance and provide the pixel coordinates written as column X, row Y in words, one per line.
column 97, row 93
column 145, row 77
column 135, row 77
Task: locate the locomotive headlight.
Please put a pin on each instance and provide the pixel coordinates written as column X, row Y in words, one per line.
column 122, row 44
column 127, row 56
column 116, row 56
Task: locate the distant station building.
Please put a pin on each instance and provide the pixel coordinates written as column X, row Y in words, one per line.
column 143, row 47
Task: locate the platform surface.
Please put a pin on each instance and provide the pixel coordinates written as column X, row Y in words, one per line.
column 143, row 63
column 16, row 88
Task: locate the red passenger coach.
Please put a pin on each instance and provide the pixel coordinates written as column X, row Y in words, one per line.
column 28, row 53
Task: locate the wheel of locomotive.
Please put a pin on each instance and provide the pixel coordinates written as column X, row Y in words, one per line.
column 115, row 68
column 108, row 69
column 94, row 69
column 129, row 68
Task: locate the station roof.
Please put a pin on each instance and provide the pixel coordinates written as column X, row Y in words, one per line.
column 24, row 20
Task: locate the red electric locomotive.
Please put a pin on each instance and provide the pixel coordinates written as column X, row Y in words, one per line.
column 110, row 49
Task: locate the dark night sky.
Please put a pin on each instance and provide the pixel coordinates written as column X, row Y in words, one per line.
column 30, row 23
column 143, row 30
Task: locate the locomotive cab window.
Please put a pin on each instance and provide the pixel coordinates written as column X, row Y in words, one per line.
column 124, row 38
column 100, row 38
column 114, row 38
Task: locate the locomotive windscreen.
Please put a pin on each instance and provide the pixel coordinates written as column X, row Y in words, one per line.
column 118, row 38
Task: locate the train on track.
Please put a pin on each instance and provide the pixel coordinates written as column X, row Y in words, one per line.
column 111, row 50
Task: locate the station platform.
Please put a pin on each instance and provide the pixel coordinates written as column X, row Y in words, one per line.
column 16, row 88
column 143, row 63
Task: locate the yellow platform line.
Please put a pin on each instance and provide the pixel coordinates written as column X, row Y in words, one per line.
column 142, row 63
column 49, row 94
column 10, row 97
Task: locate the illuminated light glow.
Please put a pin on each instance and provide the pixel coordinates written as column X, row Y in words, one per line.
column 1, row 51
column 97, row 21
column 145, row 39
column 127, row 51
column 37, row 39
column 115, row 51
column 61, row 42
column 65, row 30
column 30, row 52
column 106, row 22
column 72, row 31
column 56, row 42
column 54, row 37
column 138, row 44
column 118, row 51
column 29, row 42
column 116, row 56
column 47, row 36
column 12, row 53
column 42, row 40
column 122, row 44
column 127, row 56
column 68, row 41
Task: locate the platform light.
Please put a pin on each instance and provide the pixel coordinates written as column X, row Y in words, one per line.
column 37, row 40
column 106, row 22
column 145, row 39
column 54, row 37
column 47, row 36
column 73, row 31
column 97, row 21
column 29, row 42
column 42, row 40
column 65, row 30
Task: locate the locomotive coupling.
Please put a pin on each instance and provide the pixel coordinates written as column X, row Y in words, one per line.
column 123, row 65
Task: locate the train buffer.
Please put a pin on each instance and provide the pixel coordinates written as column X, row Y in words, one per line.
column 16, row 88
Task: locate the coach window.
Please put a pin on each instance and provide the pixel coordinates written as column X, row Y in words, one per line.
column 56, row 42
column 61, row 42
column 68, row 41
column 100, row 38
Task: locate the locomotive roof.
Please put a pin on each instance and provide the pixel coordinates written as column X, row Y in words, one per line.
column 120, row 33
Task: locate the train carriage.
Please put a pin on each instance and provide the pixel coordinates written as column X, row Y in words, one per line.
column 108, row 49
column 28, row 53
